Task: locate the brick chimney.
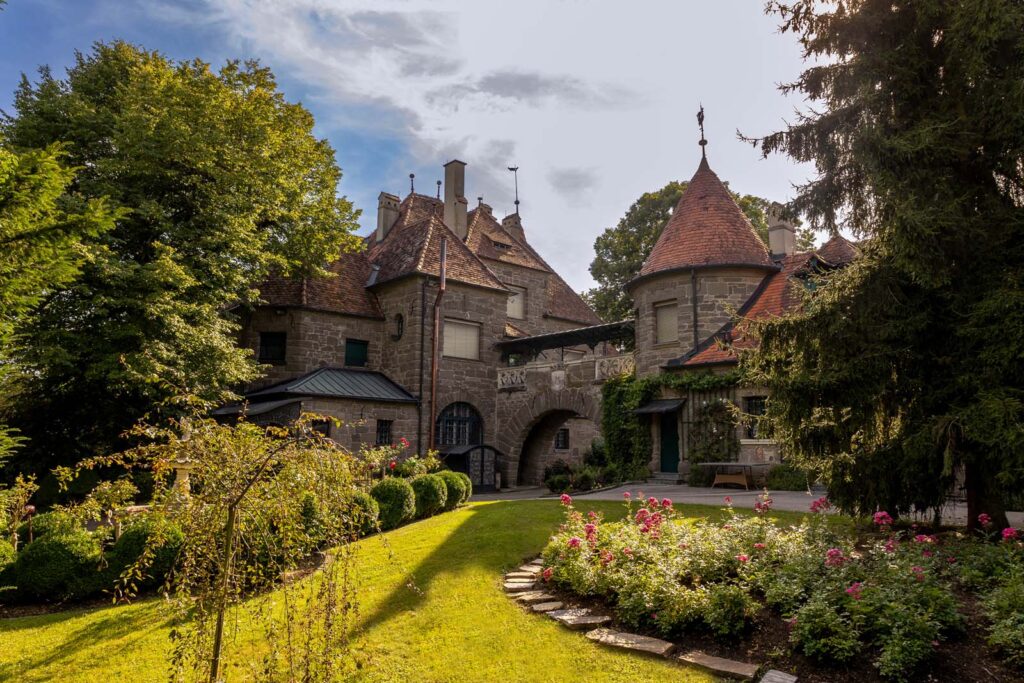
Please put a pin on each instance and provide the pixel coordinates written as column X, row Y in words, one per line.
column 781, row 234
column 387, row 213
column 455, row 204
column 514, row 226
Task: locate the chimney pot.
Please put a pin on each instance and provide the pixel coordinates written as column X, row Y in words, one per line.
column 513, row 225
column 455, row 204
column 387, row 214
column 781, row 234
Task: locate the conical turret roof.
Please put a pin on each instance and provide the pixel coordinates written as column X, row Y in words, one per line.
column 707, row 228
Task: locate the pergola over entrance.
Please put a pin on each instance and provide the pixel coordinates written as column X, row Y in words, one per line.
column 531, row 347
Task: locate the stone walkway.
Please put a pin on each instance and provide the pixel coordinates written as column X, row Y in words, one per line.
column 796, row 501
column 522, row 586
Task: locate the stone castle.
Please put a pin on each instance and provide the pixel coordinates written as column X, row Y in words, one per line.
column 518, row 356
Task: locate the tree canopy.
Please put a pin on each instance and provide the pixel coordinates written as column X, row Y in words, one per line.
column 620, row 252
column 216, row 180
column 908, row 367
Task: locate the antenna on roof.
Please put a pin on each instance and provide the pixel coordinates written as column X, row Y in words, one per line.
column 438, row 189
column 412, row 182
column 479, row 201
column 515, row 172
column 703, row 143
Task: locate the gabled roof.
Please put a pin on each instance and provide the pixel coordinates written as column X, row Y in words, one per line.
column 707, row 228
column 485, row 232
column 838, row 251
column 365, row 385
column 342, row 292
column 778, row 295
column 414, row 247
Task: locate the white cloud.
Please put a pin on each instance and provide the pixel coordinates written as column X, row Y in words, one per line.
column 594, row 102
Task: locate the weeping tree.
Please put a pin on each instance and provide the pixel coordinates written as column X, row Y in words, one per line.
column 907, row 367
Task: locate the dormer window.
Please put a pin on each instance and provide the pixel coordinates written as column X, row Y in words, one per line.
column 501, row 246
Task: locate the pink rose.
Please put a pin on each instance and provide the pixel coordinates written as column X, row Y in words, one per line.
column 574, row 542
column 652, row 501
column 1010, row 534
column 546, row 574
column 834, row 557
column 728, row 500
column 742, row 558
column 626, row 495
column 984, row 519
column 820, row 505
column 882, row 518
column 759, row 546
column 666, row 503
column 404, row 441
column 566, row 499
column 854, row 590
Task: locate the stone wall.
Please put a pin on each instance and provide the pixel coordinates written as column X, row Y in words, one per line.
column 359, row 420
column 314, row 339
column 721, row 292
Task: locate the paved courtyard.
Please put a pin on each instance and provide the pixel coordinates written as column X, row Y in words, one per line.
column 797, row 501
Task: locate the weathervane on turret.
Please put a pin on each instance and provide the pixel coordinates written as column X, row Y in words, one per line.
column 515, row 172
column 703, row 143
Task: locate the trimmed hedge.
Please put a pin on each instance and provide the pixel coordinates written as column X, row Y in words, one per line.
column 59, row 566
column 364, row 512
column 129, row 547
column 396, row 499
column 456, row 489
column 44, row 523
column 469, row 485
column 7, row 554
column 431, row 494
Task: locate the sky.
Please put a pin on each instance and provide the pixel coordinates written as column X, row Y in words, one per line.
column 594, row 100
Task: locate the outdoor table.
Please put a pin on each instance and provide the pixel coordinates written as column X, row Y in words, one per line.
column 744, row 476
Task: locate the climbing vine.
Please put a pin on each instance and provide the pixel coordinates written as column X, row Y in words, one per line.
column 627, row 437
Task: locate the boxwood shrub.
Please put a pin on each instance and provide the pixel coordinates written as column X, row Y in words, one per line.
column 44, row 523
column 59, row 566
column 129, row 548
column 469, row 485
column 363, row 512
column 456, row 488
column 431, row 494
column 396, row 499
column 7, row 554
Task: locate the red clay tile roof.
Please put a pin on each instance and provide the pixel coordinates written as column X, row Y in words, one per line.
column 513, row 332
column 485, row 231
column 707, row 228
column 345, row 292
column 838, row 251
column 414, row 246
column 566, row 304
column 778, row 295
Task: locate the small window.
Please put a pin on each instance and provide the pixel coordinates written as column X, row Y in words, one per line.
column 501, row 246
column 399, row 328
column 273, row 346
column 356, row 353
column 562, row 439
column 755, row 407
column 384, row 432
column 516, row 307
column 322, row 427
column 666, row 319
column 461, row 340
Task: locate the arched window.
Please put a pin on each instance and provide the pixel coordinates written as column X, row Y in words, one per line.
column 459, row 425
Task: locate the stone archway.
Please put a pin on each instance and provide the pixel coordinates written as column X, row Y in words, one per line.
column 534, row 424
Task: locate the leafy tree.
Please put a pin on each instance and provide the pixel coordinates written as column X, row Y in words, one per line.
column 42, row 234
column 620, row 252
column 218, row 180
column 908, row 366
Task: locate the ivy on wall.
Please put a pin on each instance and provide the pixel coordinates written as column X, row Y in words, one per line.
column 627, row 437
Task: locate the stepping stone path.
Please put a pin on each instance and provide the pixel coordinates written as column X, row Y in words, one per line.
column 547, row 606
column 720, row 667
column 534, row 597
column 521, row 585
column 631, row 641
column 579, row 618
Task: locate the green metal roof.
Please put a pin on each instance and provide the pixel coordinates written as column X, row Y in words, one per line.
column 365, row 385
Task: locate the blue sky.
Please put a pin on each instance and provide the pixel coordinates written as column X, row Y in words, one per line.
column 593, row 100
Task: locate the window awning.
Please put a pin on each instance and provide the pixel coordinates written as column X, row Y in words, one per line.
column 661, row 405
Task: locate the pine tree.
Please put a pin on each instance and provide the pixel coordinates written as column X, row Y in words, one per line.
column 909, row 365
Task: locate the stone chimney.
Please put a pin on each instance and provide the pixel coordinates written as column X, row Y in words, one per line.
column 387, row 214
column 455, row 204
column 514, row 226
column 781, row 234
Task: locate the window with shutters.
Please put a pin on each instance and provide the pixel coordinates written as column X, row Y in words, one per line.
column 517, row 303
column 461, row 340
column 273, row 347
column 666, row 322
column 357, row 352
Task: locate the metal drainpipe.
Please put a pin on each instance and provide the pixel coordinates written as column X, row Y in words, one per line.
column 434, row 360
column 423, row 335
column 693, row 305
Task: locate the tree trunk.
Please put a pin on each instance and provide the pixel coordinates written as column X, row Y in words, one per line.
column 983, row 497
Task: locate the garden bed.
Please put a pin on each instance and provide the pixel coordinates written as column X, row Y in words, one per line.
column 887, row 605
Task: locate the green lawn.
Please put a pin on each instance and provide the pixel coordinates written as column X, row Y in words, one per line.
column 460, row 627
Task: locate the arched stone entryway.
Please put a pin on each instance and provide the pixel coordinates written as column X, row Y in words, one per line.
column 529, row 431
